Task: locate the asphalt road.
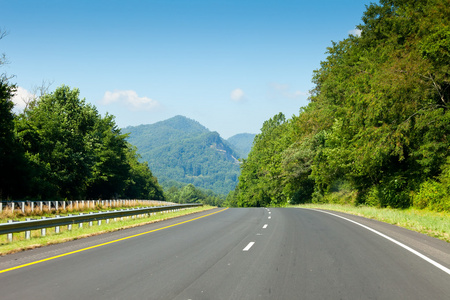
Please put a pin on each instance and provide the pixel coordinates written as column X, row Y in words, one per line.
column 247, row 253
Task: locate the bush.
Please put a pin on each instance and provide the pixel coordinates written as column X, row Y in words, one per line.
column 304, row 195
column 432, row 195
column 317, row 197
column 373, row 197
column 394, row 192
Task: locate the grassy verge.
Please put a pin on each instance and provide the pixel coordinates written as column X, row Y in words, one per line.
column 434, row 224
column 19, row 242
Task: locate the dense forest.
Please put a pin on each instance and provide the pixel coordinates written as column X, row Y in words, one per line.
column 242, row 143
column 62, row 148
column 188, row 193
column 182, row 150
column 377, row 128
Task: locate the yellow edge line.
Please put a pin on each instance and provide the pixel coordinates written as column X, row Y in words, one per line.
column 107, row 243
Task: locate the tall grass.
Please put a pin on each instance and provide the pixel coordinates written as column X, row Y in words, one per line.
column 17, row 214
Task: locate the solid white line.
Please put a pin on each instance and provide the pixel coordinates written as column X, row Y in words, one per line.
column 434, row 263
column 248, row 246
column 265, row 226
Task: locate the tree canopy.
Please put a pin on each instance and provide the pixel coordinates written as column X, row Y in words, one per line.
column 377, row 127
column 69, row 151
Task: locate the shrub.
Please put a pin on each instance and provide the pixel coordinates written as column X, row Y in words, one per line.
column 394, row 192
column 432, row 195
column 373, row 197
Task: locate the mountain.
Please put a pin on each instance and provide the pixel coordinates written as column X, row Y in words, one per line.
column 182, row 150
column 149, row 137
column 242, row 143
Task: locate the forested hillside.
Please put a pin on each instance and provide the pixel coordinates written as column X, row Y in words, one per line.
column 377, row 128
column 150, row 137
column 62, row 148
column 242, row 143
column 180, row 149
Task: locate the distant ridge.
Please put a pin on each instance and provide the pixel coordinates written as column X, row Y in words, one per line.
column 242, row 142
column 182, row 150
column 151, row 136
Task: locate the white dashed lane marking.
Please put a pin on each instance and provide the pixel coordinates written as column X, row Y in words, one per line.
column 248, row 246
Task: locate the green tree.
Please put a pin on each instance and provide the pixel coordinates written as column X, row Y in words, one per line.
column 12, row 162
column 11, row 156
column 260, row 182
column 390, row 120
column 74, row 152
column 377, row 122
column 189, row 194
column 141, row 184
column 53, row 134
column 110, row 167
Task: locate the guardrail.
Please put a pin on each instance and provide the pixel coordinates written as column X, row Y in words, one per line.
column 44, row 223
column 33, row 205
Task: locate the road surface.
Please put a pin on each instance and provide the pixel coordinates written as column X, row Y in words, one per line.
column 237, row 253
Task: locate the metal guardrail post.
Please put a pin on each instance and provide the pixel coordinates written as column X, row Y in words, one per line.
column 43, row 230
column 10, row 235
column 57, row 229
column 69, row 226
column 28, row 232
column 80, row 225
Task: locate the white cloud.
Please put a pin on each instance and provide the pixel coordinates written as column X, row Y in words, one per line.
column 284, row 90
column 131, row 99
column 237, row 95
column 355, row 32
column 21, row 97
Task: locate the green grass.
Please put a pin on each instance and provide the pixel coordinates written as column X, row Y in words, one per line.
column 19, row 242
column 434, row 224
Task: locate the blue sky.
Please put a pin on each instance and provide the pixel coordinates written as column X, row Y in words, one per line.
column 230, row 65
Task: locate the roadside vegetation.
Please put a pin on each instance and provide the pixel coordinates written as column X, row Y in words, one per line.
column 188, row 193
column 19, row 215
column 19, row 242
column 60, row 147
column 377, row 129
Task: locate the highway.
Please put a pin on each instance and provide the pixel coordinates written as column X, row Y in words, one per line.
column 237, row 253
